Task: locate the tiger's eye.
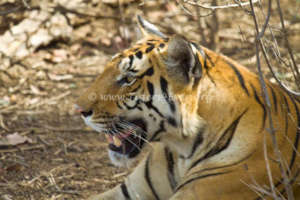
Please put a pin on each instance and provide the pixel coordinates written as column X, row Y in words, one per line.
column 126, row 80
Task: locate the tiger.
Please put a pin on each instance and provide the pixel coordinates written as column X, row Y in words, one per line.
column 202, row 117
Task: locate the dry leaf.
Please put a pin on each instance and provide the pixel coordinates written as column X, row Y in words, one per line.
column 13, row 140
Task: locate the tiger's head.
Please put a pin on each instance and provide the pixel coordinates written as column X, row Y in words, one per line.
column 140, row 94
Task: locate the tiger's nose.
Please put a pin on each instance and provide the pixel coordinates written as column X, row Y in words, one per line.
column 85, row 113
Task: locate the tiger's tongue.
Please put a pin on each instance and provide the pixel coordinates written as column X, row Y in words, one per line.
column 116, row 140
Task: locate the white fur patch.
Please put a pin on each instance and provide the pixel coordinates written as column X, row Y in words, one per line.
column 96, row 127
column 119, row 160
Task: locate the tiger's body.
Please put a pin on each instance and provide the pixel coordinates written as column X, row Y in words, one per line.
column 204, row 115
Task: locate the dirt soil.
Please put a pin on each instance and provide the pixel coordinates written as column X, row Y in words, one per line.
column 52, row 154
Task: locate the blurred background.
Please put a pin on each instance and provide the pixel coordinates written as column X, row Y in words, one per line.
column 51, row 50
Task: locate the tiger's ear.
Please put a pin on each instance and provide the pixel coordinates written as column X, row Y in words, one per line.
column 182, row 63
column 149, row 29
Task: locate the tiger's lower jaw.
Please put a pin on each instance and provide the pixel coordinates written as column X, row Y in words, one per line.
column 120, row 160
column 125, row 154
column 124, row 148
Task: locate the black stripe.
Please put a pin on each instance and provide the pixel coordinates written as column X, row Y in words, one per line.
column 118, row 105
column 296, row 143
column 222, row 143
column 165, row 91
column 150, row 89
column 239, row 76
column 286, row 112
column 149, row 48
column 130, row 60
column 207, row 68
column 136, row 89
column 287, row 104
column 149, row 103
column 170, row 164
column 210, row 60
column 274, row 97
column 297, row 98
column 128, row 107
column 198, row 141
column 262, row 106
column 197, row 71
column 151, row 106
column 200, row 177
column 225, row 166
column 133, row 70
column 152, row 40
column 160, row 130
column 172, row 121
column 148, row 180
column 139, row 54
column 125, row 191
column 148, row 72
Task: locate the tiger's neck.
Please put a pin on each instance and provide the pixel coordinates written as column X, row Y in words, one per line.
column 206, row 107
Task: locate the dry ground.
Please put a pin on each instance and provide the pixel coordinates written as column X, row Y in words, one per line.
column 62, row 158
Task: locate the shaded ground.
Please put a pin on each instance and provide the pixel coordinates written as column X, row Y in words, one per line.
column 63, row 158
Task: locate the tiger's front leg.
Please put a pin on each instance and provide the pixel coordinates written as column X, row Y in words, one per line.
column 154, row 178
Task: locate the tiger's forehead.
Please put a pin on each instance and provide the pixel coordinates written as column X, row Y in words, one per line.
column 136, row 58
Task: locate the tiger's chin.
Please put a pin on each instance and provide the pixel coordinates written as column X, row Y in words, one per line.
column 120, row 160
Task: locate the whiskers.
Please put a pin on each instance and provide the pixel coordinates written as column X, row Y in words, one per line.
column 125, row 128
column 118, row 127
column 133, row 129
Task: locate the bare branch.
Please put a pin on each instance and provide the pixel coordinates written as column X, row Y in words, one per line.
column 240, row 4
column 259, row 45
column 200, row 28
column 6, row 12
column 187, row 11
column 282, row 85
column 62, row 9
column 262, row 32
column 26, row 4
column 287, row 44
column 276, row 53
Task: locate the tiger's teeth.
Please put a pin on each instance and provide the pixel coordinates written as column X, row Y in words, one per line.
column 109, row 138
column 117, row 141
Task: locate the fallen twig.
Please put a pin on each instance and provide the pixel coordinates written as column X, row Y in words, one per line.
column 219, row 7
column 40, row 146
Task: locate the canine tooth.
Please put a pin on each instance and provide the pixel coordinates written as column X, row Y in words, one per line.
column 117, row 141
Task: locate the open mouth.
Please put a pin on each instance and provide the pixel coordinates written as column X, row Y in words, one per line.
column 128, row 138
